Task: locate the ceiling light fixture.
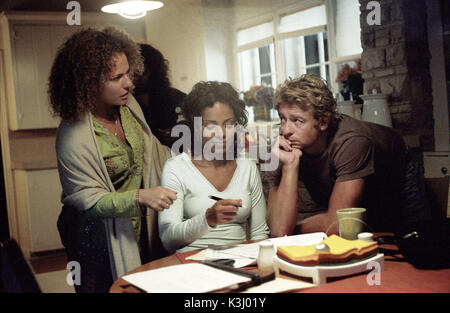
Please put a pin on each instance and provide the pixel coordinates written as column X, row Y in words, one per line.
column 132, row 9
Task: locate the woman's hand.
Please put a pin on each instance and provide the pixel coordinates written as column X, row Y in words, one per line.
column 157, row 198
column 222, row 212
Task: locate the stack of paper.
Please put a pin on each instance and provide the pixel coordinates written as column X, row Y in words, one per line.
column 185, row 278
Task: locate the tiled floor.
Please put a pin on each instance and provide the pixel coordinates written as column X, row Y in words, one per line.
column 51, row 272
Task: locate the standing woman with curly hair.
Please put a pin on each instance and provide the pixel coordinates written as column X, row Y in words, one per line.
column 109, row 162
column 195, row 221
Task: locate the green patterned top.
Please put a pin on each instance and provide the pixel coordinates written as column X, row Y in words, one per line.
column 124, row 164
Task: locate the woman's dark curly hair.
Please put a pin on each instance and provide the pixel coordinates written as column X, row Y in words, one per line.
column 153, row 92
column 83, row 63
column 156, row 70
column 204, row 94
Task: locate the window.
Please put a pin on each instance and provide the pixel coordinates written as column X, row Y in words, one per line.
column 306, row 54
column 257, row 67
column 304, row 46
column 299, row 42
column 318, row 39
column 256, row 56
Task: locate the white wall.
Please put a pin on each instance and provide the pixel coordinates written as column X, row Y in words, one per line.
column 177, row 31
column 218, row 21
column 347, row 28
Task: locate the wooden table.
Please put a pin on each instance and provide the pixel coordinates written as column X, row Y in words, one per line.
column 397, row 277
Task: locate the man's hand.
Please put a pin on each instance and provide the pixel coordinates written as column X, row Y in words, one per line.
column 282, row 207
column 285, row 152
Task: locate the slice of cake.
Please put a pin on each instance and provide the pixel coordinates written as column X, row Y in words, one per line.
column 341, row 250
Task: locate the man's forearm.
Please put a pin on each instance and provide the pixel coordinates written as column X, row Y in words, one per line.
column 322, row 222
column 283, row 204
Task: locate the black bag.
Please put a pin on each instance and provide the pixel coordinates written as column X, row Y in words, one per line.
column 426, row 244
column 423, row 241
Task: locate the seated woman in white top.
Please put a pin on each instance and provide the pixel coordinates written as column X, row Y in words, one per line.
column 194, row 221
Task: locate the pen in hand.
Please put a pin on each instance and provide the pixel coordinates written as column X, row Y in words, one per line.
column 217, row 199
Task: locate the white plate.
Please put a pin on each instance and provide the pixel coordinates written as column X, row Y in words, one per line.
column 320, row 273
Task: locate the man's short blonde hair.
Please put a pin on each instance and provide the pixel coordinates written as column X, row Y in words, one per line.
column 308, row 92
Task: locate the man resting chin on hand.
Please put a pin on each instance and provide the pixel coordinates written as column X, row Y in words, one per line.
column 343, row 162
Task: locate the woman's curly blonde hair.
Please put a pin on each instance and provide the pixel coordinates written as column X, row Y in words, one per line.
column 309, row 92
column 83, row 63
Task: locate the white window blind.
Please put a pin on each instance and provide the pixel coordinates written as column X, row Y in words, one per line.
column 304, row 19
column 255, row 33
column 348, row 30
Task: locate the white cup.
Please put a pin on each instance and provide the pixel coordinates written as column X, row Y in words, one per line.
column 366, row 237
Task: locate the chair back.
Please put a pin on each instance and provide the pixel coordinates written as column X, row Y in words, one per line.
column 15, row 273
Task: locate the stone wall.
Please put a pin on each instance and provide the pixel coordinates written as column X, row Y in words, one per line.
column 395, row 60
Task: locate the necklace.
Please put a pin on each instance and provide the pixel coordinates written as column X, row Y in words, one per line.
column 106, row 122
column 115, row 131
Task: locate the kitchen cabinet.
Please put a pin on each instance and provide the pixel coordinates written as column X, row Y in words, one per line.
column 38, row 202
column 34, row 48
